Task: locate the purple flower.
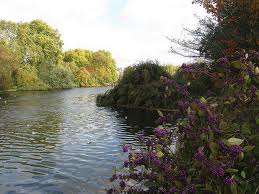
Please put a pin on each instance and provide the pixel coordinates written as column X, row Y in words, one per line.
column 173, row 190
column 160, row 132
column 183, row 104
column 126, row 163
column 253, row 90
column 204, row 130
column 224, row 60
column 122, row 184
column 153, row 157
column 152, row 176
column 217, row 131
column 182, row 173
column 217, row 171
column 249, row 70
column 150, row 143
column 191, row 189
column 114, row 177
column 187, row 68
column 235, row 150
column 241, row 80
column 110, row 191
column 199, row 154
column 228, row 180
column 223, row 147
column 125, row 148
column 213, row 119
column 162, row 120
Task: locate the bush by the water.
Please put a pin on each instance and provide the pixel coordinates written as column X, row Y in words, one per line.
column 140, row 85
column 215, row 136
column 150, row 85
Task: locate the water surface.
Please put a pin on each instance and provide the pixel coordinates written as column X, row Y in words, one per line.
column 61, row 142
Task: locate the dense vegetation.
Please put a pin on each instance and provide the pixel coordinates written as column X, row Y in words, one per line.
column 31, row 58
column 232, row 24
column 217, row 139
column 141, row 85
column 210, row 144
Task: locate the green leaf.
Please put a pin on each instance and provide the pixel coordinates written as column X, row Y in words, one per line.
column 201, row 113
column 243, row 174
column 208, row 187
column 235, row 141
column 248, row 148
column 214, row 148
column 231, row 170
column 238, row 65
column 160, row 113
column 114, row 169
column 178, row 184
column 257, row 120
column 245, row 129
column 203, row 100
column 223, row 125
column 149, row 184
column 159, row 154
column 233, row 188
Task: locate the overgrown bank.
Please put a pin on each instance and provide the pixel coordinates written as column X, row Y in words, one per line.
column 150, row 85
column 217, row 147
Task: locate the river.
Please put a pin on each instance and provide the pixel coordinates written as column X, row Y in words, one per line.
column 61, row 142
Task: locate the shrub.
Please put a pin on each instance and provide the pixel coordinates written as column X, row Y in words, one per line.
column 140, row 85
column 215, row 137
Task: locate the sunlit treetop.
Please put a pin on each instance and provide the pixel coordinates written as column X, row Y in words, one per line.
column 215, row 7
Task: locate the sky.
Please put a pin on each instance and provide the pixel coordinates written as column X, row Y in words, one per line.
column 132, row 30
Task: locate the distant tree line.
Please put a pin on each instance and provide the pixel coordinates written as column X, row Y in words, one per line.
column 31, row 58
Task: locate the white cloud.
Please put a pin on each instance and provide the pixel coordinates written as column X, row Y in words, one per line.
column 136, row 32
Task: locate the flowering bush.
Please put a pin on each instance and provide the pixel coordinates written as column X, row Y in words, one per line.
column 211, row 144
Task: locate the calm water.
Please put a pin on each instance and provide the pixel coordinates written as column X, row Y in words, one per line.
column 61, row 142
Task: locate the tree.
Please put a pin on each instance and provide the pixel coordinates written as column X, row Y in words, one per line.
column 94, row 68
column 233, row 26
column 8, row 68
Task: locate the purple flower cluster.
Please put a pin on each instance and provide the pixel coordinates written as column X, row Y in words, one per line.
column 187, row 68
column 199, row 154
column 228, row 180
column 125, row 148
column 161, row 132
column 217, row 171
column 182, row 173
column 235, row 150
column 173, row 190
column 126, row 163
column 122, row 184
column 153, row 157
column 253, row 90
column 213, row 119
column 182, row 104
column 223, row 60
column 190, row 189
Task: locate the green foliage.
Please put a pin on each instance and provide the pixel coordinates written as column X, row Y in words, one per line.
column 140, row 85
column 215, row 136
column 59, row 77
column 8, row 68
column 27, row 79
column 38, row 50
column 94, row 68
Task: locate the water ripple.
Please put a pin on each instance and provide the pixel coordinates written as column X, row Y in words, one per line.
column 60, row 142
